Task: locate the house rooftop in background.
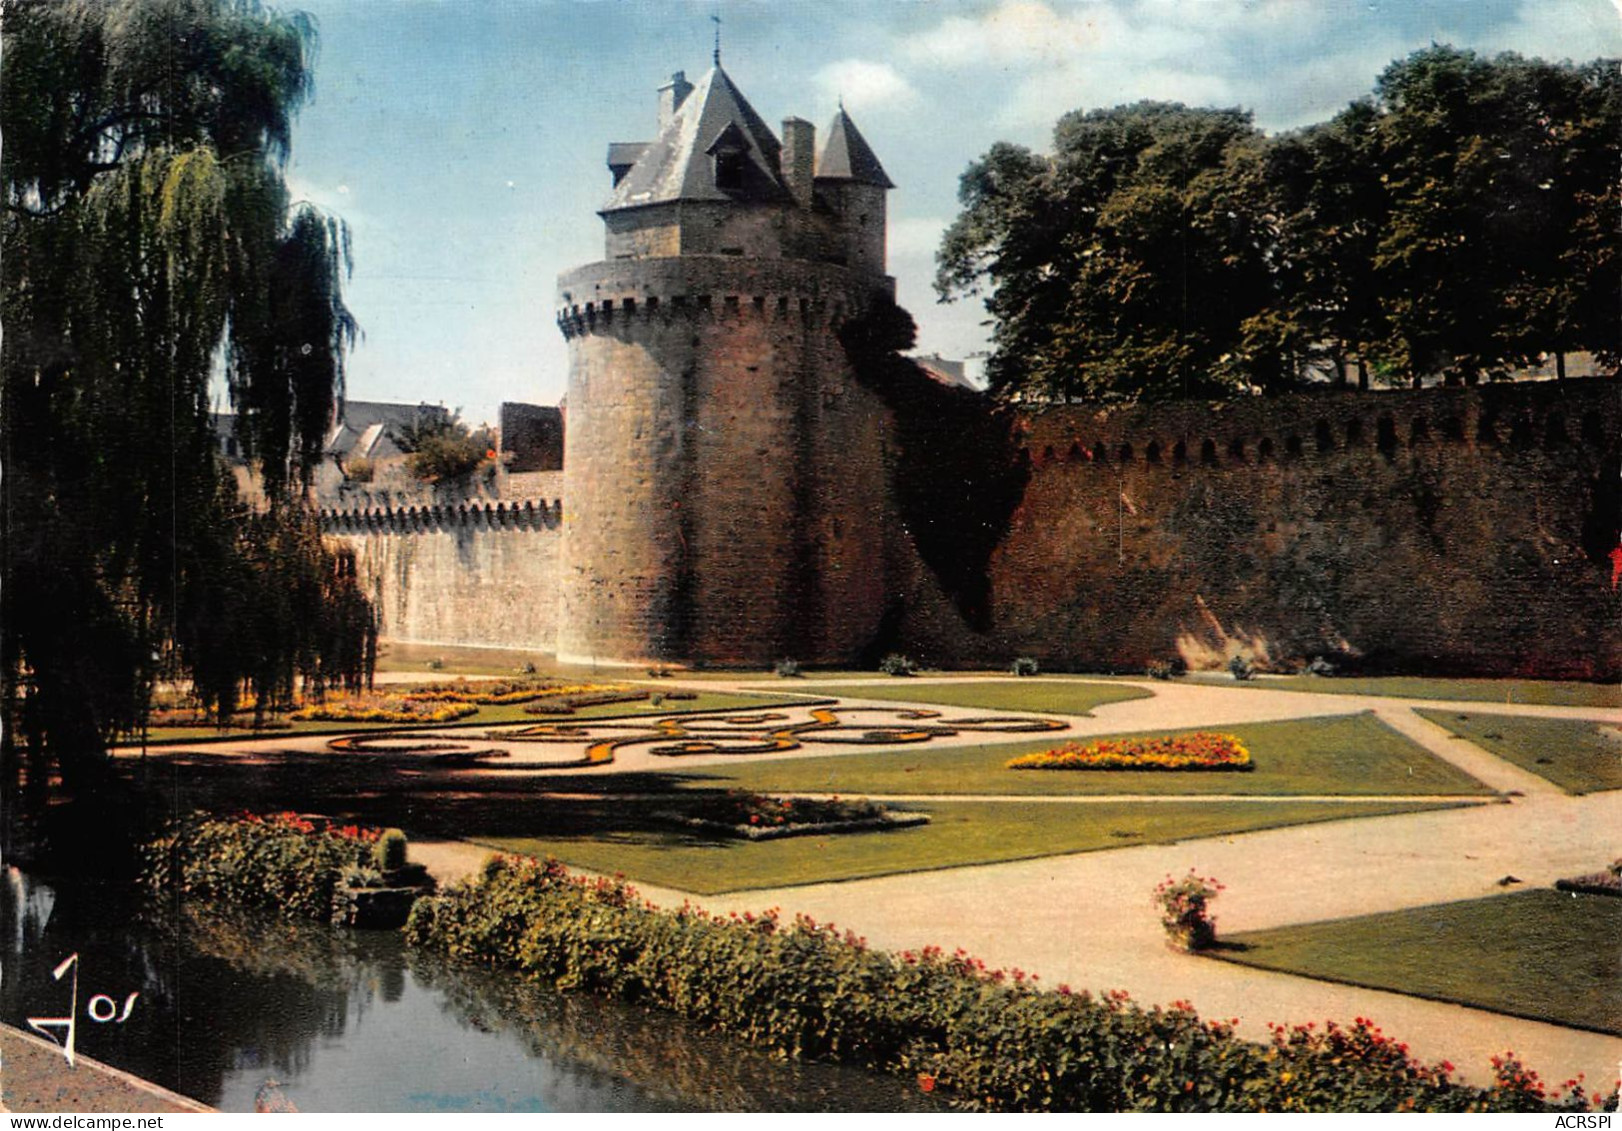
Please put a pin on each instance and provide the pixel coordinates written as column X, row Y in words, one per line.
column 952, row 374
column 366, row 429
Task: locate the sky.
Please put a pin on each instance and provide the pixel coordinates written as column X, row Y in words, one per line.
column 463, row 141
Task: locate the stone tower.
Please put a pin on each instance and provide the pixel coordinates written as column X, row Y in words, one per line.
column 724, row 473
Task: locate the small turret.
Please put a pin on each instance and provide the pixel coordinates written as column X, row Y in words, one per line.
column 852, row 183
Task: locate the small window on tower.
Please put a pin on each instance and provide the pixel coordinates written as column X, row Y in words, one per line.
column 728, row 170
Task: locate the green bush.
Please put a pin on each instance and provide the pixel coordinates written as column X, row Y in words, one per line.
column 1164, row 669
column 1024, row 665
column 283, row 862
column 897, row 664
column 788, row 669
column 1241, row 668
column 990, row 1039
column 389, row 853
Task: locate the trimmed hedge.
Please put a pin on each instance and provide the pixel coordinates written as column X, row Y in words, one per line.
column 992, row 1039
column 284, row 862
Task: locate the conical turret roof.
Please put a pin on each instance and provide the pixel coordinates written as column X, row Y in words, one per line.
column 846, row 156
column 679, row 163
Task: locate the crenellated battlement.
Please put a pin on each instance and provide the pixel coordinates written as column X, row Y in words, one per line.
column 601, row 297
column 1501, row 419
column 517, row 514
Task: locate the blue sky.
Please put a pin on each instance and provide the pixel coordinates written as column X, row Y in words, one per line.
column 463, row 140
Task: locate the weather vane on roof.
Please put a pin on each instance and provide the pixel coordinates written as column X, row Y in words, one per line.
column 717, row 19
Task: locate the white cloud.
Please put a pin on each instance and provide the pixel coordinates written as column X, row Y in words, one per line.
column 1578, row 30
column 1015, row 32
column 864, row 85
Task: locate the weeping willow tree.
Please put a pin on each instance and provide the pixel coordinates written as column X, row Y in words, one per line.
column 149, row 245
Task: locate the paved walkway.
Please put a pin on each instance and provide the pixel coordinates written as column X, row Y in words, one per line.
column 35, row 1077
column 1086, row 919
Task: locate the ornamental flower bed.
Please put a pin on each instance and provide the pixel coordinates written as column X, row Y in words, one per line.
column 496, row 692
column 1199, row 751
column 197, row 717
column 985, row 1039
column 751, row 816
column 1608, row 882
column 569, row 703
column 384, row 709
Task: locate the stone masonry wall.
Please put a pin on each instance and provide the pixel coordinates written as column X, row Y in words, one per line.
column 1451, row 530
column 723, row 470
column 475, row 573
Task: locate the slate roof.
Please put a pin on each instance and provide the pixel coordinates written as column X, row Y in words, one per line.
column 363, row 429
column 846, row 156
column 677, row 165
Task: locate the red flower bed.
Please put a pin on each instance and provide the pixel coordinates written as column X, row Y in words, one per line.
column 1199, row 751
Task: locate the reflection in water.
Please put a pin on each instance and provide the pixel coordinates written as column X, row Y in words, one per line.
column 351, row 1020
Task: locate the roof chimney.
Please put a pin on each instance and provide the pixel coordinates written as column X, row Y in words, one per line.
column 672, row 95
column 799, row 147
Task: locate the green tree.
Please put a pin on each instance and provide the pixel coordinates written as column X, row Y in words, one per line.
column 440, row 449
column 148, row 237
column 1126, row 265
column 1324, row 186
column 1463, row 220
column 1500, row 220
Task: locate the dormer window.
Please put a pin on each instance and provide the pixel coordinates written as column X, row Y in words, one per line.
column 729, row 151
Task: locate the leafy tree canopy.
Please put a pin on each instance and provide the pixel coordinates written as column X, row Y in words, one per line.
column 1463, row 219
column 148, row 243
column 442, row 449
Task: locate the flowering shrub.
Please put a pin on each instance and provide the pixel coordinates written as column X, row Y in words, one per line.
column 989, row 1039
column 287, row 862
column 1198, row 751
column 1185, row 910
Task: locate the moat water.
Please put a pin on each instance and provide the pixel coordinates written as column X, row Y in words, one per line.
column 356, row 1021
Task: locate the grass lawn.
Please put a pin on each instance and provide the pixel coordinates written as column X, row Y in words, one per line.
column 457, row 660
column 1343, row 755
column 485, row 716
column 1029, row 694
column 961, row 833
column 1538, row 693
column 1542, row 954
column 1578, row 755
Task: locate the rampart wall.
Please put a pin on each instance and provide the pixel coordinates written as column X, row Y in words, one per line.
column 1447, row 529
column 477, row 572
column 1464, row 530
